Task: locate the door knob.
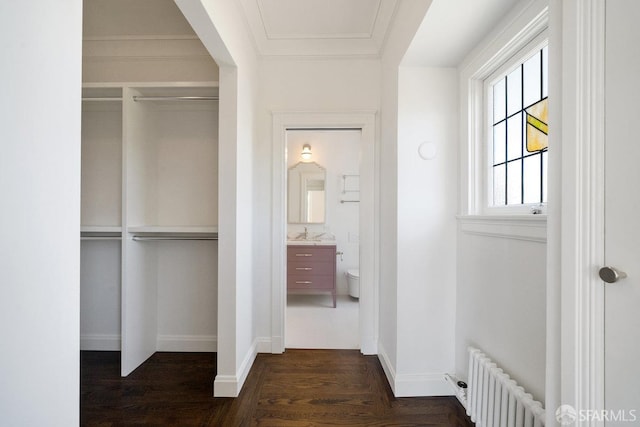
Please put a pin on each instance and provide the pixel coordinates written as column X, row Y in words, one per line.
column 611, row 275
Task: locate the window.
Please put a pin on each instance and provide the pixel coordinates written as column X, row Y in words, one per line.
column 517, row 114
column 503, row 144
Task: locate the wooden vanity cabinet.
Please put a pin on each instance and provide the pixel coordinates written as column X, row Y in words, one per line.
column 311, row 269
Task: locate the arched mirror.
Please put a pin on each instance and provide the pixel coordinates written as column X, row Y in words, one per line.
column 306, row 193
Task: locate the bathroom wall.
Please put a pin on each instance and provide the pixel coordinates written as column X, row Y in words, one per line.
column 339, row 153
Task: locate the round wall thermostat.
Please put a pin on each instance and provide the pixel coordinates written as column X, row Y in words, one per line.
column 428, row 150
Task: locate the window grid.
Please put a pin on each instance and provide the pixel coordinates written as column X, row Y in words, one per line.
column 506, row 161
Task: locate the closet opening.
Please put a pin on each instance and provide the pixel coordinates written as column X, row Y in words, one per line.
column 149, row 220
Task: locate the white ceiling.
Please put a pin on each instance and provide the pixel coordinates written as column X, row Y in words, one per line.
column 108, row 19
column 334, row 28
column 451, row 28
column 314, row 28
column 319, row 27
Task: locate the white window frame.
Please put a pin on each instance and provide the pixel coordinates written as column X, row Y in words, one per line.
column 525, row 52
column 525, row 30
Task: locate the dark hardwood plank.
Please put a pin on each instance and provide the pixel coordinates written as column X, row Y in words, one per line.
column 297, row 388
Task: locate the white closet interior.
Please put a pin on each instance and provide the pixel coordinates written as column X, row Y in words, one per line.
column 149, row 257
column 101, row 213
column 149, row 218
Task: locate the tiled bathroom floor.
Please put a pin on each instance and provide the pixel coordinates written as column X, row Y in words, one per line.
column 312, row 322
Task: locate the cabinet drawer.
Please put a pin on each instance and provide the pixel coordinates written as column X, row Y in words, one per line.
column 311, row 253
column 308, row 268
column 310, row 282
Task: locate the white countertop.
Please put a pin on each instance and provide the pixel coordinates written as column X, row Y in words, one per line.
column 311, row 242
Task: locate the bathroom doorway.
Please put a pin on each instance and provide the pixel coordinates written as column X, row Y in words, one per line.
column 368, row 223
column 323, row 198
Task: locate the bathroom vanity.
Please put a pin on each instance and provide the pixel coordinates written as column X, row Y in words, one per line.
column 311, row 269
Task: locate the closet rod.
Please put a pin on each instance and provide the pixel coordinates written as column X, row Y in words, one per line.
column 151, row 238
column 175, row 98
column 104, row 99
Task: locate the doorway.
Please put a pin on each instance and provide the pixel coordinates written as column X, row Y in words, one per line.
column 323, row 196
column 367, row 219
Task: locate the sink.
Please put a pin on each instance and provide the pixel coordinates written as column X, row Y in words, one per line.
column 303, row 241
column 312, row 238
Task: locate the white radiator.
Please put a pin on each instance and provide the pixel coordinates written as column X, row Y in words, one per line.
column 495, row 400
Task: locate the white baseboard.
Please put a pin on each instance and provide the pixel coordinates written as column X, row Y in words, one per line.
column 413, row 385
column 187, row 343
column 277, row 345
column 387, row 367
column 100, row 342
column 225, row 386
column 369, row 347
column 247, row 363
column 263, row 345
column 230, row 385
column 459, row 392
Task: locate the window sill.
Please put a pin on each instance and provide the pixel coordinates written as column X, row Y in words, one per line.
column 531, row 228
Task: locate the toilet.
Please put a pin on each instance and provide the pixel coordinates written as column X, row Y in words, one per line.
column 353, row 281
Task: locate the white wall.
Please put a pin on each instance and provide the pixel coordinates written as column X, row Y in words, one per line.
column 220, row 26
column 40, row 180
column 319, row 85
column 501, row 306
column 187, row 296
column 100, row 295
column 410, row 14
column 388, row 329
column 427, row 203
column 294, row 85
column 501, row 290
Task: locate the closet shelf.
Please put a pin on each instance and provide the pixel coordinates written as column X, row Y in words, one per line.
column 173, row 231
column 88, row 232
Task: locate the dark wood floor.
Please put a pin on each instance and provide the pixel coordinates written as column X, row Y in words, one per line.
column 297, row 388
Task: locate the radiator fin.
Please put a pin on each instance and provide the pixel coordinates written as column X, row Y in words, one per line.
column 496, row 400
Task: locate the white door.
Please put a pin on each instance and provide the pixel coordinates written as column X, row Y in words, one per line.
column 622, row 210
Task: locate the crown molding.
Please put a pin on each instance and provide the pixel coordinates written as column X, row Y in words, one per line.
column 271, row 43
